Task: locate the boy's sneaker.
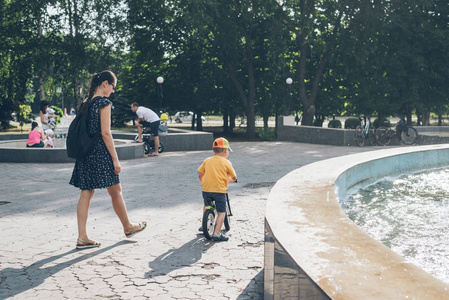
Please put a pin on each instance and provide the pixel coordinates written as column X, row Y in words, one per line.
column 221, row 238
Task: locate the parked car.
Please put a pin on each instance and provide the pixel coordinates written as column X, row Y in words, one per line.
column 185, row 116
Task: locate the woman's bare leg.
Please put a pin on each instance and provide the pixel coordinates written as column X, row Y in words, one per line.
column 82, row 212
column 119, row 206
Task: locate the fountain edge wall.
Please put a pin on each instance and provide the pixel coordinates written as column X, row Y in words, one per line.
column 176, row 140
column 314, row 251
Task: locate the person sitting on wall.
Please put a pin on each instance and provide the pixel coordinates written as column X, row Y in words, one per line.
column 37, row 137
column 49, row 133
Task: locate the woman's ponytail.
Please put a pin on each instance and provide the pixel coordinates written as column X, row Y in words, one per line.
column 95, row 81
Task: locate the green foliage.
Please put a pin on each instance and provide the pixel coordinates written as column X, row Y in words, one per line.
column 25, row 116
column 267, row 134
column 334, row 124
column 14, row 59
column 352, row 123
column 230, row 57
column 122, row 111
column 59, row 113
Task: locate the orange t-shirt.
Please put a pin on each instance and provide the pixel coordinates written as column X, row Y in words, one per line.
column 216, row 170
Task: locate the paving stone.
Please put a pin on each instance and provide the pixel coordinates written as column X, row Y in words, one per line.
column 170, row 259
column 4, row 292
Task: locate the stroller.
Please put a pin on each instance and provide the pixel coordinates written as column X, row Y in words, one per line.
column 147, row 138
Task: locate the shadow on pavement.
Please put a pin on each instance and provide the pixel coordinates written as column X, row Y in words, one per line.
column 254, row 290
column 183, row 256
column 22, row 279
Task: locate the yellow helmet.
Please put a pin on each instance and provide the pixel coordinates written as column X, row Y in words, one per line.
column 164, row 117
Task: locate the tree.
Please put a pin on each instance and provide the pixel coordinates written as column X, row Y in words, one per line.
column 15, row 64
column 234, row 31
column 25, row 115
column 395, row 57
column 151, row 37
column 315, row 28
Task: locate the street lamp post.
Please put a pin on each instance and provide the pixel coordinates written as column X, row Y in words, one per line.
column 289, row 82
column 59, row 91
column 160, row 80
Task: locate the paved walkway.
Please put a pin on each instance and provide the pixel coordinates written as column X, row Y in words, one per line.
column 170, row 260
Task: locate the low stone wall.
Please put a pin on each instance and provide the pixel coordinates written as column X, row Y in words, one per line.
column 13, row 149
column 314, row 251
column 316, row 135
column 288, row 131
column 16, row 151
column 178, row 139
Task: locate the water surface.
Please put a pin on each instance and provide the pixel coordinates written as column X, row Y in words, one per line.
column 410, row 215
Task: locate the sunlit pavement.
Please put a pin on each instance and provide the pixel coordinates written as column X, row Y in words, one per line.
column 170, row 259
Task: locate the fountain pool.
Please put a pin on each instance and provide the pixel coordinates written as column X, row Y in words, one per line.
column 408, row 214
column 13, row 149
column 313, row 249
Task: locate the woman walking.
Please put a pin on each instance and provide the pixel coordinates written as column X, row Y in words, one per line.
column 101, row 168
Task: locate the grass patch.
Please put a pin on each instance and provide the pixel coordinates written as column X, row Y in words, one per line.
column 15, row 128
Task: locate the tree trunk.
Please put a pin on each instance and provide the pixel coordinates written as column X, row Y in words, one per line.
column 225, row 120
column 232, row 115
column 380, row 119
column 42, row 76
column 247, row 99
column 409, row 118
column 426, row 118
column 199, row 121
column 250, row 122
column 307, row 116
column 43, row 71
column 419, row 121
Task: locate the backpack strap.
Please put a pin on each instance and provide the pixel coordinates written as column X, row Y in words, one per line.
column 88, row 111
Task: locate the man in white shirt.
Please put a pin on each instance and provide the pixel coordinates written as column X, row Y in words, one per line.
column 148, row 118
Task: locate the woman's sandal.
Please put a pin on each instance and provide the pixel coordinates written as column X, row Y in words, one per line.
column 87, row 244
column 132, row 232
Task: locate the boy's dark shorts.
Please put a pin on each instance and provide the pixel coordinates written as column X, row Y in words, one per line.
column 154, row 126
column 219, row 198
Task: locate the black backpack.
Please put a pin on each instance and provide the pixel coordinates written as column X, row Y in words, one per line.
column 79, row 142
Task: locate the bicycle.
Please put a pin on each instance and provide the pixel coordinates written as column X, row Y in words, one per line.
column 365, row 132
column 406, row 134
column 209, row 218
